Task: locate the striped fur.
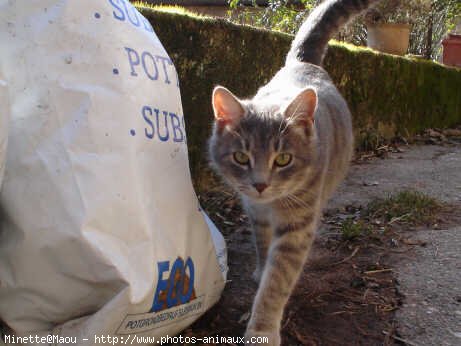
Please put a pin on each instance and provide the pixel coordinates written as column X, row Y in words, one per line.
column 301, row 113
column 311, row 41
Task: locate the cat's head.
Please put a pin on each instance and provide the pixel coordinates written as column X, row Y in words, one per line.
column 264, row 152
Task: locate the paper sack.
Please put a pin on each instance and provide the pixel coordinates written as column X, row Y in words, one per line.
column 101, row 232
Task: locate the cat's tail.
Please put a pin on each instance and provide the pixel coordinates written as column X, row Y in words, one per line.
column 310, row 43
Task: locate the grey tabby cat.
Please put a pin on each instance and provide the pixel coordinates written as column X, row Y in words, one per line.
column 285, row 151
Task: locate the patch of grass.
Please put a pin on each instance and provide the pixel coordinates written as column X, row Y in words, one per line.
column 369, row 139
column 352, row 229
column 407, row 206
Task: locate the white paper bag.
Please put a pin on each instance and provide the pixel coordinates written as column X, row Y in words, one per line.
column 101, row 232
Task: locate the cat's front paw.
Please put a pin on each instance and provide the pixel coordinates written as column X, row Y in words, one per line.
column 267, row 338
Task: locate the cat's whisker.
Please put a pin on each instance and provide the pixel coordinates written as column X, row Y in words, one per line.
column 292, row 116
column 280, row 126
column 286, row 203
column 292, row 211
column 236, row 134
column 287, row 124
column 291, row 119
column 298, row 201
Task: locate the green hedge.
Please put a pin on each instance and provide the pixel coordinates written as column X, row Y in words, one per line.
column 389, row 94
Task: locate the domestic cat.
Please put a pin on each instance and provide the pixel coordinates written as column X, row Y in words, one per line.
column 285, row 151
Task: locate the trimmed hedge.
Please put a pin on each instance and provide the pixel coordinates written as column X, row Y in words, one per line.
column 392, row 95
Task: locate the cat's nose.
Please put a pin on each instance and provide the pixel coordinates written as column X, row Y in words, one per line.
column 260, row 187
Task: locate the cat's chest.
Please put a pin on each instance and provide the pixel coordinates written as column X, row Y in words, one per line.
column 284, row 212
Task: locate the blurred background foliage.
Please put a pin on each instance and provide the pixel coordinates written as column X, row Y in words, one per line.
column 430, row 20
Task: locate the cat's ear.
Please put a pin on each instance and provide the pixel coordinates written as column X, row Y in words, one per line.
column 302, row 108
column 227, row 107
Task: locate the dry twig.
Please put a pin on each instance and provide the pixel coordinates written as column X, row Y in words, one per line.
column 348, row 257
column 400, row 339
column 371, row 272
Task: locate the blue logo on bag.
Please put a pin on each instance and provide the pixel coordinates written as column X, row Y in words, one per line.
column 175, row 286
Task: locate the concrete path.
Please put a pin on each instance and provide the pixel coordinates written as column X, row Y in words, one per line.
column 432, row 169
column 431, row 283
column 431, row 314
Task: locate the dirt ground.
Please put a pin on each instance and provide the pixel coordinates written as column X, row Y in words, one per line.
column 348, row 293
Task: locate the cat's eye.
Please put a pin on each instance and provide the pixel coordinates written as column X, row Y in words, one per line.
column 241, row 158
column 283, row 159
